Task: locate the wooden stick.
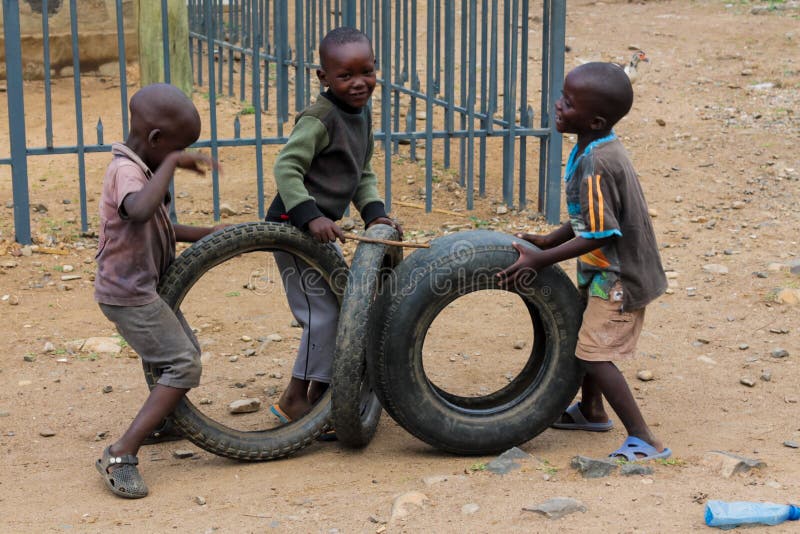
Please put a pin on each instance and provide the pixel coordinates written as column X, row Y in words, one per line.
column 435, row 210
column 403, row 244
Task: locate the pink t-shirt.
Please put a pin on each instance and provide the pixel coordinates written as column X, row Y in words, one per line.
column 131, row 257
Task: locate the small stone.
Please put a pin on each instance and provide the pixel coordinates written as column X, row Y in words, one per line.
column 226, row 210
column 789, row 296
column 743, row 346
column 200, row 500
column 182, row 454
column 101, row 345
column 470, row 508
column 779, row 353
column 766, row 375
column 276, row 375
column 70, row 277
column 274, row 337
column 502, row 210
column 247, row 339
column 645, row 375
column 747, row 381
column 715, row 268
column 505, row 462
column 737, row 205
column 593, row 468
column 47, row 433
column 348, row 224
column 108, row 389
column 404, row 501
column 706, row 359
column 244, row 406
column 661, row 122
column 728, row 464
column 652, row 212
column 248, row 353
column 630, row 469
column 13, row 300
column 776, row 267
column 557, row 507
column 233, row 359
column 791, row 444
column 48, row 347
column 520, row 344
column 67, row 268
column 205, row 401
column 29, row 358
column 294, row 324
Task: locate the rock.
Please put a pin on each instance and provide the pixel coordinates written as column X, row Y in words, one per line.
column 101, row 345
column 505, row 462
column 470, row 508
column 766, row 375
column 48, row 347
column 274, row 337
column 70, row 277
column 779, row 353
column 557, row 507
column 249, row 353
column 791, row 444
column 199, row 499
column 13, row 300
column 404, row 501
column 47, row 433
column 789, row 296
column 108, row 389
column 67, row 268
column 706, row 359
column 247, row 339
column 520, row 344
column 728, row 464
column 631, row 468
column 593, row 468
column 502, row 210
column 27, row 251
column 294, row 324
column 743, row 346
column 182, row 454
column 233, row 359
column 348, row 224
column 226, row 210
column 747, row 381
column 652, row 212
column 244, row 406
column 775, row 267
column 29, row 358
column 715, row 268
column 645, row 375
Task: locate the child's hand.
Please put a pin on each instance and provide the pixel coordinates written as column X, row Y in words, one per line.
column 325, row 230
column 388, row 222
column 195, row 161
column 539, row 240
column 218, row 227
column 523, row 271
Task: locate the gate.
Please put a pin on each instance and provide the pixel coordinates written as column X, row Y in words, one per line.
column 454, row 76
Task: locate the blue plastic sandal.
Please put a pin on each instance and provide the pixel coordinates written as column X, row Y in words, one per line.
column 632, row 447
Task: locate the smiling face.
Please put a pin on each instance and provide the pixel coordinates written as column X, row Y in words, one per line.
column 575, row 112
column 348, row 70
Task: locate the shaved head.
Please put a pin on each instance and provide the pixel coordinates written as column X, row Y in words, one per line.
column 337, row 37
column 607, row 86
column 165, row 107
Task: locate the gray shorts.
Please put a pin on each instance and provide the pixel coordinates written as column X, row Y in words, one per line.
column 161, row 338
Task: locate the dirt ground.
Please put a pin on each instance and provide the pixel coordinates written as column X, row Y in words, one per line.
column 713, row 133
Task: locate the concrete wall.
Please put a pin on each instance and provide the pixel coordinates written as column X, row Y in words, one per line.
column 97, row 37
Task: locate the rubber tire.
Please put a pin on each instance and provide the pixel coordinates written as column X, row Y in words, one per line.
column 426, row 282
column 184, row 272
column 355, row 410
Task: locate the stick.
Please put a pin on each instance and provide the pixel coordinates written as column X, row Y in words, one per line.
column 436, row 210
column 403, row 244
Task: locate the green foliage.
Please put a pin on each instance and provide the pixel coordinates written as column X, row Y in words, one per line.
column 478, row 466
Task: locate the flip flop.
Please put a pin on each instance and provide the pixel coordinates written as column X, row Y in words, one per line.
column 632, row 446
column 579, row 422
column 280, row 414
column 124, row 480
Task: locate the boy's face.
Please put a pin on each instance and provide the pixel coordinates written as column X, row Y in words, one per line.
column 349, row 71
column 575, row 112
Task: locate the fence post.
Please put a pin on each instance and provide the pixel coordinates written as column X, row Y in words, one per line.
column 16, row 121
column 349, row 13
column 555, row 79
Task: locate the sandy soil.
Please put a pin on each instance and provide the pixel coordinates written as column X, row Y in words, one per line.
column 718, row 162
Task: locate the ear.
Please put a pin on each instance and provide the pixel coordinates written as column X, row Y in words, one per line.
column 154, row 136
column 321, row 77
column 598, row 123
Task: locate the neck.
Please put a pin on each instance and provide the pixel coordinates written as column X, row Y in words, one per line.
column 138, row 146
column 586, row 139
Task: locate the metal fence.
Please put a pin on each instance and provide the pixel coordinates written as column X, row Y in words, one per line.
column 454, row 75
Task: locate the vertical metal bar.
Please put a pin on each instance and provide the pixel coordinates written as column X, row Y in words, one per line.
column 256, row 76
column 462, row 145
column 48, row 103
column 449, row 73
column 437, row 53
column 16, row 121
column 509, row 100
column 386, row 95
column 246, row 14
column 232, row 38
column 299, row 73
column 544, row 110
column 123, row 72
column 165, row 41
column 473, row 38
column 411, row 56
column 553, row 200
column 220, row 37
column 485, row 121
column 429, row 114
column 282, row 31
column 76, row 77
column 212, row 103
column 524, row 110
column 402, row 14
column 350, row 18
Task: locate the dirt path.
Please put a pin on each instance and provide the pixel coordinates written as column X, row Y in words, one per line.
column 717, row 152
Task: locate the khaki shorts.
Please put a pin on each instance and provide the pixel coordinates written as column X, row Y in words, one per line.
column 608, row 334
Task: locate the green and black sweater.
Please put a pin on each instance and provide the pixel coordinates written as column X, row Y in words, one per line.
column 325, row 165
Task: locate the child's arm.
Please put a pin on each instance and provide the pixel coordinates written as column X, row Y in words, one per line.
column 559, row 236
column 190, row 234
column 141, row 205
column 530, row 261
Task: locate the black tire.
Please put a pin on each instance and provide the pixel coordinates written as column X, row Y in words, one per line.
column 426, row 282
column 355, row 410
column 185, row 271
